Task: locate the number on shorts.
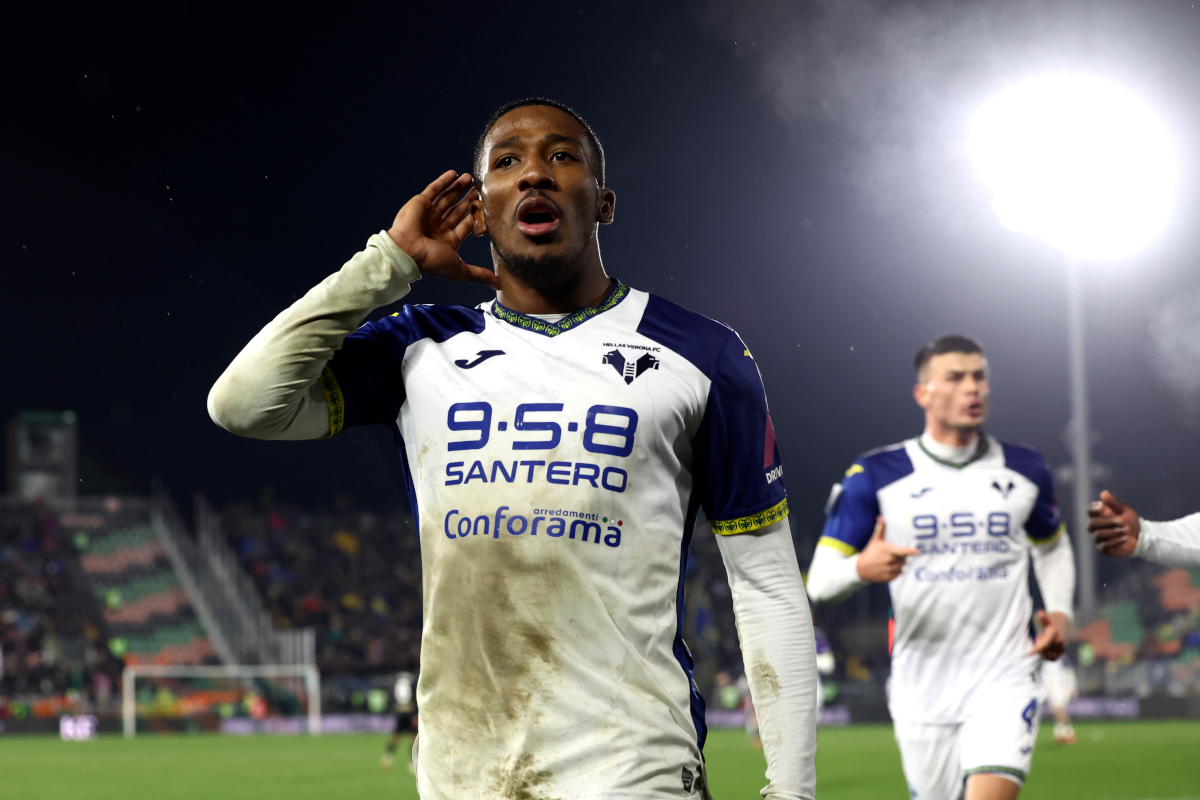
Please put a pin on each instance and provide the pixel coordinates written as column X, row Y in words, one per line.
column 1028, row 715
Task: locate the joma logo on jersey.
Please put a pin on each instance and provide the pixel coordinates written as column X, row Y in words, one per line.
column 481, row 356
column 1003, row 490
column 627, row 368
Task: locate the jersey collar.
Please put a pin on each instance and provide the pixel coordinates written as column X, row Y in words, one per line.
column 618, row 293
column 981, row 449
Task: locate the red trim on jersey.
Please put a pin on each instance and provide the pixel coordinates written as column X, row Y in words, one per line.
column 769, row 446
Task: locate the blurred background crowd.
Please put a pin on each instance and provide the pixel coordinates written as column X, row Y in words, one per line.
column 82, row 594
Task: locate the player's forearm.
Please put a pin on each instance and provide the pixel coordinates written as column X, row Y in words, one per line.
column 779, row 651
column 270, row 390
column 832, row 575
column 1054, row 566
column 1174, row 544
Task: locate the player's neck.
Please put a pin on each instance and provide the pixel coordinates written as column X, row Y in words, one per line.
column 958, row 438
column 576, row 286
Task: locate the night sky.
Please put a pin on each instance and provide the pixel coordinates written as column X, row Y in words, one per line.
column 173, row 178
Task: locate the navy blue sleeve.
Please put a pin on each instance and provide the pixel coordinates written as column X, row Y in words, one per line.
column 744, row 487
column 365, row 374
column 852, row 512
column 1045, row 521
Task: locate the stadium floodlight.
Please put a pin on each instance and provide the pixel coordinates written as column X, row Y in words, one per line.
column 1084, row 165
column 1078, row 162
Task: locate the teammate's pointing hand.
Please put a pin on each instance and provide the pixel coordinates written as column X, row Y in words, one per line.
column 432, row 226
column 881, row 561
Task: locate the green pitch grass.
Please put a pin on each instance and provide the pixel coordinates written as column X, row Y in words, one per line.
column 1114, row 761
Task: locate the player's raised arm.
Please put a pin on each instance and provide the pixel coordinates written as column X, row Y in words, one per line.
column 1119, row 532
column 272, row 389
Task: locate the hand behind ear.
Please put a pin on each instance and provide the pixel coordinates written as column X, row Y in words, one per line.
column 431, row 228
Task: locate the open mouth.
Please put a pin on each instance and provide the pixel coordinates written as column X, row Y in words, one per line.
column 975, row 409
column 537, row 216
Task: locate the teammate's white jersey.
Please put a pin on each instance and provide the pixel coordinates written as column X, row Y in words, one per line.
column 962, row 608
column 556, row 470
column 402, row 692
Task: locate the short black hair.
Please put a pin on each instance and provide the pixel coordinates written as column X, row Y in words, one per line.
column 593, row 142
column 952, row 343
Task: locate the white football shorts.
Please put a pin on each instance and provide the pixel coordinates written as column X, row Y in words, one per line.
column 996, row 738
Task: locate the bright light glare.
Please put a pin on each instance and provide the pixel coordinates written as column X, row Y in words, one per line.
column 1078, row 162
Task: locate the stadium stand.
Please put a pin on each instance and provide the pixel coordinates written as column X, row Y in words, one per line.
column 149, row 614
column 53, row 637
column 1146, row 638
column 355, row 577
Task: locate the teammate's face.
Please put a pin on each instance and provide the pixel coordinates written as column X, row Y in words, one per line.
column 954, row 390
column 539, row 200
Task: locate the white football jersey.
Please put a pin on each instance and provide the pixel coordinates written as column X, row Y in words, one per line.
column 961, row 610
column 556, row 470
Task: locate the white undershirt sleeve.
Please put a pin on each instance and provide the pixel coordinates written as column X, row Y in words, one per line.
column 832, row 575
column 779, row 651
column 1173, row 544
column 1054, row 566
column 270, row 390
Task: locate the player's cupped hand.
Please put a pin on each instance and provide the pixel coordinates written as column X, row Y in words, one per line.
column 881, row 561
column 433, row 225
column 1114, row 526
column 1051, row 643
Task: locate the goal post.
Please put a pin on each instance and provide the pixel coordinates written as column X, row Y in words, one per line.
column 308, row 673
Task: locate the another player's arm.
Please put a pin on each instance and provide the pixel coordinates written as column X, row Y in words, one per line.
column 271, row 390
column 744, row 498
column 853, row 550
column 1054, row 567
column 1119, row 532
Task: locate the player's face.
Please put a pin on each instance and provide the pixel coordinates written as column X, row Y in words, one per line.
column 955, row 390
column 539, row 201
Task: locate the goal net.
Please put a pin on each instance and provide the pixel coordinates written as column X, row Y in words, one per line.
column 232, row 699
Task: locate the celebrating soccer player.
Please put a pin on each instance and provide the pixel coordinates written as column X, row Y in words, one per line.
column 947, row 520
column 558, row 444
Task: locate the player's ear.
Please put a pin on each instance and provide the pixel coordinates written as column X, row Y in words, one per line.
column 921, row 395
column 607, row 206
column 478, row 217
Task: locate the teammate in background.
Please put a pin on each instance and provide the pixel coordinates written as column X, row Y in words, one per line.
column 1119, row 532
column 1061, row 688
column 558, row 443
column 949, row 520
column 751, row 718
column 405, row 695
column 826, row 663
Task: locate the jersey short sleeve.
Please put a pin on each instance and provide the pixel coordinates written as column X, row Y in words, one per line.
column 366, row 374
column 853, row 508
column 854, row 504
column 1045, row 520
column 744, row 487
